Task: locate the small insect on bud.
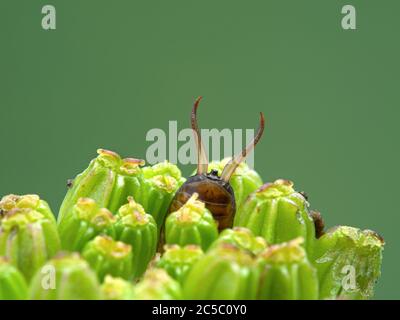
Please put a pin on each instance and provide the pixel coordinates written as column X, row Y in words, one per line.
column 304, row 194
column 70, row 183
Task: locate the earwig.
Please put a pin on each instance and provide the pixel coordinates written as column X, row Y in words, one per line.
column 215, row 191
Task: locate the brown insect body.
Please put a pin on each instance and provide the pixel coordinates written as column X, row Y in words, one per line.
column 217, row 195
column 215, row 191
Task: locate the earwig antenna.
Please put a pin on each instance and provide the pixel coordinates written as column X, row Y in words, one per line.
column 235, row 161
column 202, row 161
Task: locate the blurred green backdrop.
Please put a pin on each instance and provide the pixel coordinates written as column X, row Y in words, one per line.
column 112, row 70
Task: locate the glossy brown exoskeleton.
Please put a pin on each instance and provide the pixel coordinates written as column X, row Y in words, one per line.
column 215, row 191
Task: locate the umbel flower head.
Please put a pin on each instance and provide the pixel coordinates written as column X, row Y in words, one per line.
column 85, row 221
column 286, row 273
column 193, row 223
column 107, row 256
column 178, row 261
column 65, row 277
column 225, row 272
column 243, row 181
column 12, row 283
column 135, row 227
column 157, row 285
column 348, row 261
column 242, row 238
column 277, row 213
column 108, row 180
column 116, row 289
column 28, row 238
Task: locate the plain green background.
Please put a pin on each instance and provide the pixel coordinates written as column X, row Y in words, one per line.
column 112, row 70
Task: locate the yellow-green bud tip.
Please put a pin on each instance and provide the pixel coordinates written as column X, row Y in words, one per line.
column 87, row 209
column 191, row 211
column 12, row 201
column 279, row 188
column 133, row 213
column 20, row 218
column 287, row 252
column 111, row 248
column 176, row 253
column 112, row 160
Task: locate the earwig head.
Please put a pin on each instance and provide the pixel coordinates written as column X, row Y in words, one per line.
column 202, row 161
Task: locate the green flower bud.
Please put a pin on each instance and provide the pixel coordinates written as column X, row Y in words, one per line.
column 244, row 181
column 85, row 222
column 28, row 239
column 116, row 289
column 223, row 273
column 157, row 285
column 278, row 214
column 348, row 261
column 28, row 201
column 286, row 273
column 161, row 181
column 178, row 261
column 191, row 224
column 108, row 180
column 242, row 238
column 135, row 227
column 66, row 277
column 12, row 283
column 107, row 256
